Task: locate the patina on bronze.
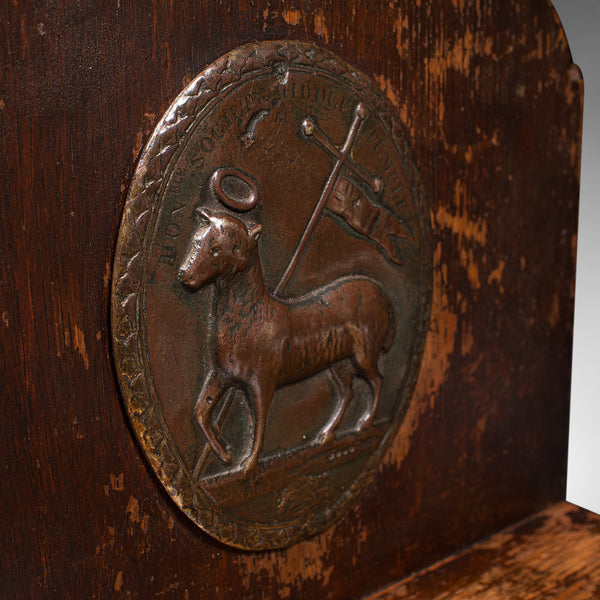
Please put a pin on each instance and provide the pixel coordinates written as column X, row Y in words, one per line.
column 271, row 292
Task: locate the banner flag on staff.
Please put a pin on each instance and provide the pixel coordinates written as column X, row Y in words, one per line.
column 377, row 223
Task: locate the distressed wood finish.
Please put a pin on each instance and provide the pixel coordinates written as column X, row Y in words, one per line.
column 493, row 110
column 553, row 554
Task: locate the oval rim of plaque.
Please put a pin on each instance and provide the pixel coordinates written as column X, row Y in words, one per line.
column 145, row 413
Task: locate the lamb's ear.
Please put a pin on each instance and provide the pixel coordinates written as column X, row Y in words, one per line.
column 255, row 231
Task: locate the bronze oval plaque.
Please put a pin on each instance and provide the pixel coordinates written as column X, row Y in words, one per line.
column 271, row 292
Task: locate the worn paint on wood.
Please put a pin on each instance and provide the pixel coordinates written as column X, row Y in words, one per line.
column 492, row 106
column 553, row 554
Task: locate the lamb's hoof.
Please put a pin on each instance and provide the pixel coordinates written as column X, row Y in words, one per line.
column 227, row 457
column 325, row 437
column 249, row 467
column 365, row 422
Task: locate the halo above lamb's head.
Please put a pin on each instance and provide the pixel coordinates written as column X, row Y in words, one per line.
column 235, row 189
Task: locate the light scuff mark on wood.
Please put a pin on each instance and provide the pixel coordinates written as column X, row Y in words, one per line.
column 76, row 430
column 439, row 347
column 386, row 85
column 79, row 345
column 137, row 145
column 291, row 16
column 495, row 275
column 554, row 311
column 118, row 581
column 116, row 482
column 136, row 515
column 321, row 26
column 573, row 92
column 291, row 567
column 107, row 273
column 133, row 509
column 467, row 340
column 458, row 221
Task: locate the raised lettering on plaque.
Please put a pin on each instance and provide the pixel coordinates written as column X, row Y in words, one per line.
column 271, row 292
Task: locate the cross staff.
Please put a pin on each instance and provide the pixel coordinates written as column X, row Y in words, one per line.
column 343, row 159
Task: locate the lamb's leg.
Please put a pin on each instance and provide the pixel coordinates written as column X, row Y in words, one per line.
column 342, row 377
column 376, row 382
column 367, row 367
column 260, row 395
column 212, row 390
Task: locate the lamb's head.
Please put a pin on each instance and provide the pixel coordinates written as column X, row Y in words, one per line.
column 220, row 246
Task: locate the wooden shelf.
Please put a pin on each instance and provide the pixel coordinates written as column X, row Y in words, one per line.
column 553, row 554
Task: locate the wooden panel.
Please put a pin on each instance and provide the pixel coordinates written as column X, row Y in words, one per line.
column 492, row 106
column 554, row 554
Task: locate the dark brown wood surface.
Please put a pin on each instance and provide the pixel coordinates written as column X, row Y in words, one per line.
column 553, row 554
column 492, row 106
